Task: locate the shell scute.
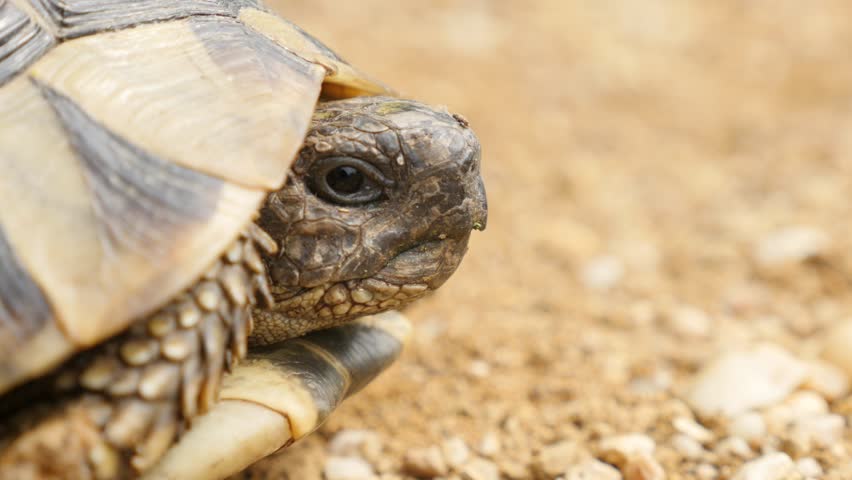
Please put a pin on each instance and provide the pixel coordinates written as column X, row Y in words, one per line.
column 133, row 159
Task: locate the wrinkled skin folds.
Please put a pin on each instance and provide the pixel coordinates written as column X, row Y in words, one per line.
column 377, row 211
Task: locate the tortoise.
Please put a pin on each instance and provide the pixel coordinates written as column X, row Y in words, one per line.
column 188, row 183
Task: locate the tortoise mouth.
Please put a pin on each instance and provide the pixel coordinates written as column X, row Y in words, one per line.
column 430, row 263
column 410, row 274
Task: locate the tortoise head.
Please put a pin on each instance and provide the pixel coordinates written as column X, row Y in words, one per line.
column 377, row 210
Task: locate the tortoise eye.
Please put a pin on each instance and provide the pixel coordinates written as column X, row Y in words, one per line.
column 347, row 181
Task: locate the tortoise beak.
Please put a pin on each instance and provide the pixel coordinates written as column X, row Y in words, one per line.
column 479, row 210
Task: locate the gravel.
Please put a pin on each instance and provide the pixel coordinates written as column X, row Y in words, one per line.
column 736, row 382
column 667, row 239
column 773, row 466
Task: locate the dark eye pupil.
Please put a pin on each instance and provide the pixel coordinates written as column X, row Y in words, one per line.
column 345, row 179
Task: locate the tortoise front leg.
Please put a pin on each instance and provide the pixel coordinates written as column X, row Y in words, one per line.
column 114, row 410
column 280, row 393
column 124, row 403
column 277, row 395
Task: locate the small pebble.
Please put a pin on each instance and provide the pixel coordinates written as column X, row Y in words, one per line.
column 838, row 450
column 602, row 273
column 778, row 417
column 348, row 468
column 643, row 467
column 827, row 380
column 455, row 452
column 690, row 322
column 645, row 386
column 749, row 426
column 772, row 466
column 480, row 469
column 687, row 446
column 822, row 430
column 592, row 470
column 693, row 429
column 735, row 446
column 805, row 403
column 791, row 245
column 809, row 467
column 489, row 445
column 742, row 380
column 705, row 471
column 554, row 459
column 619, row 449
column 479, row 368
column 660, row 379
column 425, row 462
column 349, row 442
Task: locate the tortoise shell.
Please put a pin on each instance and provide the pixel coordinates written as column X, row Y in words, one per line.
column 137, row 140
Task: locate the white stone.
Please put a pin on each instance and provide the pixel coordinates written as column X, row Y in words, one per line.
column 479, row 368
column 705, row 471
column 349, row 441
column 693, row 429
column 602, row 272
column 743, row 380
column 348, row 468
column 773, row 466
column 779, row 417
column 480, row 469
column 643, row 467
column 630, row 444
column 749, row 426
column 455, row 452
column 620, row 448
column 555, row 458
column 807, row 403
column 657, row 381
column 687, row 446
column 425, row 462
column 690, row 322
column 489, row 445
column 826, row 379
column 823, row 430
column 809, row 467
column 791, row 245
column 838, row 450
column 734, row 446
column 592, row 470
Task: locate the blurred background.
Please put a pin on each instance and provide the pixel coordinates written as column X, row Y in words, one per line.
column 664, row 285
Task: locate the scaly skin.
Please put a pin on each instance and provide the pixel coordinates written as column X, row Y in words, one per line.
column 341, row 259
column 376, row 212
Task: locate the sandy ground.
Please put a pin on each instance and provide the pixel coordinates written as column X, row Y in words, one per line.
column 668, row 181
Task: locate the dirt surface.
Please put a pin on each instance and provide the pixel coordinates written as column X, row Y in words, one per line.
column 668, row 181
